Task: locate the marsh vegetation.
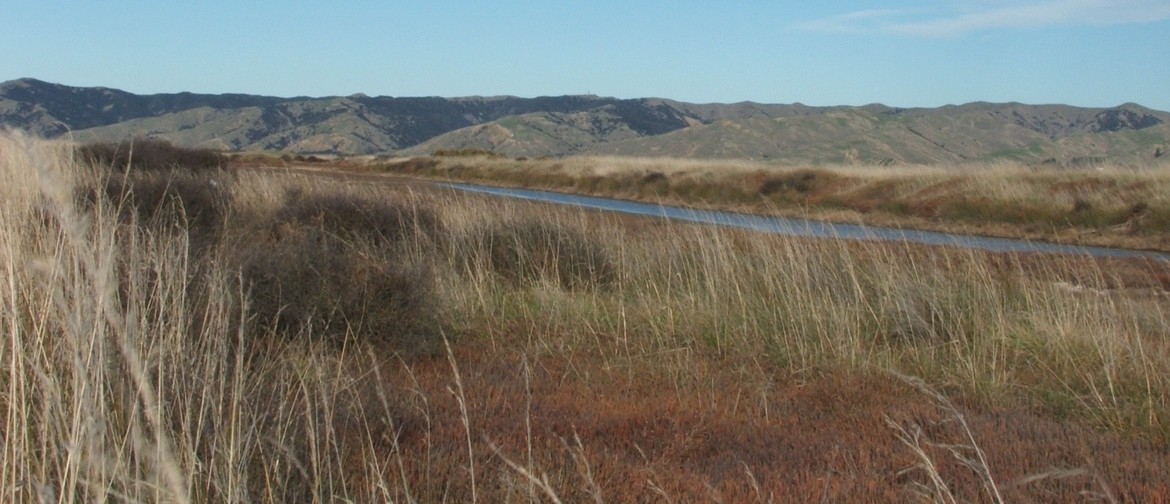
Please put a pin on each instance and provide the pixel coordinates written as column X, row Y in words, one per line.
column 258, row 336
column 1102, row 204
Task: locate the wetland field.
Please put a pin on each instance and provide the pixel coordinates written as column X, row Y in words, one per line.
column 214, row 330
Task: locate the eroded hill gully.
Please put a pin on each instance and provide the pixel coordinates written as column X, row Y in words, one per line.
column 937, row 144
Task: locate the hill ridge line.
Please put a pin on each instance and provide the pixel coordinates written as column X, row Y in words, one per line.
column 556, row 126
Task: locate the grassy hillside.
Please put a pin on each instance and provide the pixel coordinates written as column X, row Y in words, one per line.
column 558, row 126
column 880, row 138
column 195, row 336
column 535, row 135
column 872, row 135
column 356, row 124
column 55, row 109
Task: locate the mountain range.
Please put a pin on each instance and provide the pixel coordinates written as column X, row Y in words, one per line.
column 586, row 124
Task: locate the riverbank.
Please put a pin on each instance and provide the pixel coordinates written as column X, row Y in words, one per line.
column 1107, row 206
column 801, row 227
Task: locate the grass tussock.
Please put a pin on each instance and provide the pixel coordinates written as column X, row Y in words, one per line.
column 342, row 340
column 529, row 250
column 341, row 265
column 357, row 218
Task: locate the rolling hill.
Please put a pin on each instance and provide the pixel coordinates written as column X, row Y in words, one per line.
column 878, row 135
column 586, row 124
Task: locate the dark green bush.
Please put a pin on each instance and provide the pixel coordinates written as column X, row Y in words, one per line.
column 307, row 281
column 149, row 154
column 654, row 183
column 420, row 165
column 197, row 202
column 799, row 182
column 358, row 218
column 201, row 199
column 340, row 266
column 468, row 152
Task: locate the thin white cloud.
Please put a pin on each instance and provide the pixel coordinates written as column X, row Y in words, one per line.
column 977, row 17
column 856, row 21
column 868, row 14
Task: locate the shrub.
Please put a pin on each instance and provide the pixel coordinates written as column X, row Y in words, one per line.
column 202, row 199
column 468, row 152
column 149, row 154
column 337, row 265
column 358, row 218
column 197, row 202
column 799, row 182
column 308, row 281
column 654, row 183
column 412, row 165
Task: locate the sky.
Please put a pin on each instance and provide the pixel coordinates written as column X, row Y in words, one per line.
column 906, row 53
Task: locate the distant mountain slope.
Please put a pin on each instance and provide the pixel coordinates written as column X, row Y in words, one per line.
column 873, row 134
column 945, row 135
column 55, row 108
column 566, row 125
column 538, row 134
column 344, row 125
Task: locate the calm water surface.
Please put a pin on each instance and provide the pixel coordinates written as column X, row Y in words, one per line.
column 803, row 227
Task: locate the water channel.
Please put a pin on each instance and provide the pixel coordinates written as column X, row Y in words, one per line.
column 803, row 227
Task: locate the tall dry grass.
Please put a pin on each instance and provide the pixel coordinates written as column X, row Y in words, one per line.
column 83, row 418
column 135, row 370
column 991, row 326
column 330, row 340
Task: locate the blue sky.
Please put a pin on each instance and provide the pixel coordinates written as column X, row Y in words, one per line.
column 902, row 53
